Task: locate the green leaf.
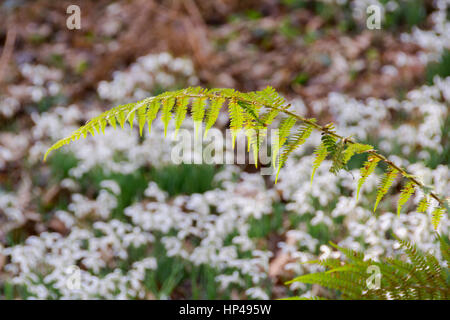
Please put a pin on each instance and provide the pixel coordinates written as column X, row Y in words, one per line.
column 198, row 112
column 423, row 204
column 385, row 184
column 236, row 118
column 297, row 140
column 167, row 105
column 180, row 112
column 355, row 148
column 213, row 113
column 283, row 132
column 152, row 112
column 405, row 194
column 321, row 153
column 436, row 216
column 366, row 170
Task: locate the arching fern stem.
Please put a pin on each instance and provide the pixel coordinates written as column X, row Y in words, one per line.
column 372, row 152
column 248, row 101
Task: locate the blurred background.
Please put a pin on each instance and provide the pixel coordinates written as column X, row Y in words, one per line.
column 112, row 217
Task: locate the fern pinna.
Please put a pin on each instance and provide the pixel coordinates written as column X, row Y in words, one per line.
column 424, row 277
column 253, row 112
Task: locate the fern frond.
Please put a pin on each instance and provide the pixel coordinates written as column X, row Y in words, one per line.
column 180, row 112
column 268, row 117
column 385, row 184
column 198, row 112
column 436, row 216
column 366, row 170
column 405, row 194
column 298, row 139
column 141, row 118
column 269, row 96
column 236, row 118
column 321, row 153
column 283, row 132
column 422, row 278
column 355, row 148
column 334, row 281
column 152, row 112
column 245, row 113
column 337, row 158
column 213, row 113
column 423, row 204
column 167, row 105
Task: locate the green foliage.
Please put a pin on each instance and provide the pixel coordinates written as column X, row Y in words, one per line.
column 385, row 184
column 355, row 148
column 421, row 278
column 366, row 170
column 297, row 140
column 321, row 153
column 252, row 112
column 423, row 204
column 436, row 216
column 405, row 194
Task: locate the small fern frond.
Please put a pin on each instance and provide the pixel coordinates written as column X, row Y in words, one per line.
column 405, row 194
column 283, row 132
column 297, row 140
column 152, row 112
column 268, row 117
column 236, row 118
column 141, row 118
column 337, row 158
column 198, row 112
column 321, row 153
column 355, row 148
column 436, row 216
column 385, row 184
column 167, row 105
column 423, row 204
column 366, row 170
column 180, row 112
column 213, row 113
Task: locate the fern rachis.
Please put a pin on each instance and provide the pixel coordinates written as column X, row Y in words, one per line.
column 245, row 113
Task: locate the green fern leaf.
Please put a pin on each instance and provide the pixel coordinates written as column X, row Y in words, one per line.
column 236, row 118
column 141, row 118
column 268, row 117
column 283, row 132
column 385, row 184
column 180, row 112
column 298, row 139
column 167, row 105
column 436, row 216
column 405, row 194
column 366, row 170
column 152, row 112
column 198, row 112
column 213, row 113
column 337, row 158
column 423, row 204
column 321, row 153
column 254, row 138
column 355, row 148
column 121, row 117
